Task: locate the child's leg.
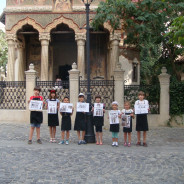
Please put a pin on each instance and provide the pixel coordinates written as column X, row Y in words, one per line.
column 78, row 134
column 38, row 132
column 31, row 133
column 50, row 131
column 62, row 135
column 54, row 132
column 101, row 134
column 138, row 136
column 83, row 134
column 113, row 138
column 125, row 137
column 116, row 140
column 67, row 135
column 144, row 136
column 129, row 137
column 97, row 137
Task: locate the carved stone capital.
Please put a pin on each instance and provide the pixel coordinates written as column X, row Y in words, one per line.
column 80, row 36
column 10, row 37
column 115, row 36
column 44, row 36
column 20, row 45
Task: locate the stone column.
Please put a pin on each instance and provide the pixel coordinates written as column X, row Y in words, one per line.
column 119, row 85
column 164, row 79
column 81, row 38
column 44, row 38
column 20, row 57
column 114, row 53
column 74, row 86
column 51, row 64
column 30, row 84
column 11, row 56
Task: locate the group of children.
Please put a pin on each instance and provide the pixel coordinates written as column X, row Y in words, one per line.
column 36, row 118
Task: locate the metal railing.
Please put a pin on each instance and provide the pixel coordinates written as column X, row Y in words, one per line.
column 104, row 88
column 13, row 95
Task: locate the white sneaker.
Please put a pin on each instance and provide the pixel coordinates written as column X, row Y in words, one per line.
column 116, row 144
column 113, row 144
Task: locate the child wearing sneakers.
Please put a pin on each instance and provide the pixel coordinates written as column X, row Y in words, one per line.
column 36, row 117
column 127, row 130
column 98, row 121
column 65, row 123
column 114, row 128
column 80, row 122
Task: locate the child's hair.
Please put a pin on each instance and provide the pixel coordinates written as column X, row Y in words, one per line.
column 97, row 96
column 52, row 91
column 37, row 88
column 127, row 102
column 66, row 97
column 141, row 93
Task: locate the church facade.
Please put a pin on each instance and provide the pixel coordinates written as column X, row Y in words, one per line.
column 51, row 34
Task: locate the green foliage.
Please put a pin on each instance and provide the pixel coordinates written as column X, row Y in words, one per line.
column 145, row 24
column 176, row 32
column 152, row 94
column 3, row 50
column 176, row 97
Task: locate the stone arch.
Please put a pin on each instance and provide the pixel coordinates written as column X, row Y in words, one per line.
column 25, row 21
column 66, row 21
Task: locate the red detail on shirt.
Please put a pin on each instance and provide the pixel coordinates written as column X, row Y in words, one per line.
column 41, row 98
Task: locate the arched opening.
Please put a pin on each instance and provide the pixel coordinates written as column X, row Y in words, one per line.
column 64, row 50
column 28, row 50
column 99, row 41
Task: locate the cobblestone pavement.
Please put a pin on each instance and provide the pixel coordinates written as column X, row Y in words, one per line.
column 161, row 162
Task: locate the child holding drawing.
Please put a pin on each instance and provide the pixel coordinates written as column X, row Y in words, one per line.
column 65, row 123
column 141, row 118
column 36, row 117
column 127, row 130
column 98, row 120
column 114, row 123
column 53, row 120
column 80, row 122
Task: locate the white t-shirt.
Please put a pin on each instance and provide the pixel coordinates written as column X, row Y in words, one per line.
column 124, row 111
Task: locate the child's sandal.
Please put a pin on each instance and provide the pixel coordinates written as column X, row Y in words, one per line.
column 50, row 140
column 54, row 140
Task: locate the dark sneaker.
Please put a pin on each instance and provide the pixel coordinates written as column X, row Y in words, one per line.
column 84, row 142
column 145, row 145
column 29, row 142
column 80, row 142
column 39, row 141
column 138, row 144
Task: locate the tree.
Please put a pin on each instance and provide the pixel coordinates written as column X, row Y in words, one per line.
column 3, row 50
column 145, row 23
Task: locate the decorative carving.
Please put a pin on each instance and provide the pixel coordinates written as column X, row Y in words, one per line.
column 39, row 2
column 28, row 9
column 66, row 21
column 62, row 5
column 24, row 22
column 11, row 36
column 44, row 36
column 80, row 36
column 115, row 36
column 18, row 2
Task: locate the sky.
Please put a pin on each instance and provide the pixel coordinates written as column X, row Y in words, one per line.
column 2, row 5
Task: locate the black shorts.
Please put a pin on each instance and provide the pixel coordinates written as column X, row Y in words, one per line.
column 98, row 128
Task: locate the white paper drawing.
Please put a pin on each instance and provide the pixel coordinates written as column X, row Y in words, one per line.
column 52, row 107
column 82, row 107
column 35, row 105
column 126, row 120
column 113, row 117
column 66, row 107
column 98, row 109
